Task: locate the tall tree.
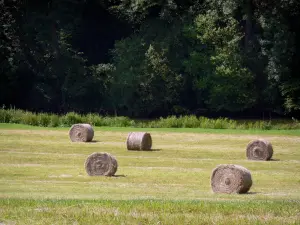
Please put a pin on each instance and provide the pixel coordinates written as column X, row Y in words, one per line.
column 145, row 82
column 218, row 64
column 10, row 50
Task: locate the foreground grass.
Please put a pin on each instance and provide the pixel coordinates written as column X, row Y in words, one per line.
column 148, row 212
column 43, row 181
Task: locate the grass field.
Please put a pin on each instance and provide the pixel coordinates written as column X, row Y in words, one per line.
column 43, row 180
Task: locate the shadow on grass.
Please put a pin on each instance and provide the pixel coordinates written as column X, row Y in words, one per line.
column 251, row 193
column 274, row 160
column 93, row 141
column 155, row 150
column 150, row 150
column 119, row 175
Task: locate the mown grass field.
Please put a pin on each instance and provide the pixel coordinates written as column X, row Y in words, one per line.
column 43, row 180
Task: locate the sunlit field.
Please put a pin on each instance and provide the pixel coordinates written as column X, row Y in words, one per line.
column 43, row 179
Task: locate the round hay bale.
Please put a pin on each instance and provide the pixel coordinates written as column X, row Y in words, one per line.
column 101, row 164
column 81, row 132
column 259, row 150
column 228, row 178
column 139, row 141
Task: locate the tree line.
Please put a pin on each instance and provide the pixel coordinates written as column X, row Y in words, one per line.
column 144, row 59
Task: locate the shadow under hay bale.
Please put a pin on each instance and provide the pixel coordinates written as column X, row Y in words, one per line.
column 81, row 132
column 155, row 150
column 275, row 160
column 101, row 164
column 122, row 175
column 139, row 141
column 94, row 141
column 228, row 178
column 259, row 149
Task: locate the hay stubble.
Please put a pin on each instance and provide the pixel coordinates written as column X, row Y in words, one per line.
column 178, row 164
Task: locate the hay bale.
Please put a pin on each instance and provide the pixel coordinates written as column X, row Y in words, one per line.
column 259, row 150
column 139, row 141
column 81, row 132
column 101, row 164
column 228, row 178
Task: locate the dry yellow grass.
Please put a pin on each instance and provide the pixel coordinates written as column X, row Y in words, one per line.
column 44, row 164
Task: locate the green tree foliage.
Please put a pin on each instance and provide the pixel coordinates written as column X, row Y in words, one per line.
column 218, row 66
column 150, row 58
column 144, row 81
column 57, row 68
column 9, row 39
column 280, row 24
column 137, row 11
column 10, row 50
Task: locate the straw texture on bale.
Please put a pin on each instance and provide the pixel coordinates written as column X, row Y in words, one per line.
column 259, row 150
column 139, row 141
column 228, row 178
column 81, row 132
column 101, row 164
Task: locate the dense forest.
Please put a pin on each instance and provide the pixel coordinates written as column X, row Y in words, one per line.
column 150, row 58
